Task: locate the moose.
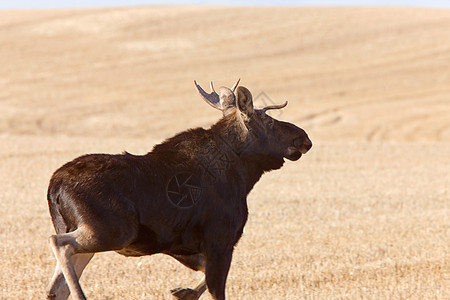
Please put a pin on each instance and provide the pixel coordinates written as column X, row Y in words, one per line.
column 187, row 198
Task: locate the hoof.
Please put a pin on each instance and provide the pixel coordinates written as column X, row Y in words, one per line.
column 51, row 296
column 184, row 294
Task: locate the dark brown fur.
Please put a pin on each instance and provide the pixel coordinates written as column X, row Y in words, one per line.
column 120, row 202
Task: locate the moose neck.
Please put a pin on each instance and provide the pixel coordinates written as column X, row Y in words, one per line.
column 232, row 136
column 221, row 153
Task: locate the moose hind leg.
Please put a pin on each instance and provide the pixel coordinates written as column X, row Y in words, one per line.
column 71, row 258
column 58, row 289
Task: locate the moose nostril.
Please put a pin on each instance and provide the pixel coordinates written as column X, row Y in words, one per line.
column 302, row 143
column 307, row 144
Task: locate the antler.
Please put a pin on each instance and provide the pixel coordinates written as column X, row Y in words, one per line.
column 235, row 85
column 274, row 107
column 222, row 101
column 213, row 98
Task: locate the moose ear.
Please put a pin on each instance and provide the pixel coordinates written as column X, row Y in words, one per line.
column 244, row 100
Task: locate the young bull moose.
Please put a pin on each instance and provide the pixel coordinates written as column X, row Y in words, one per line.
column 187, row 198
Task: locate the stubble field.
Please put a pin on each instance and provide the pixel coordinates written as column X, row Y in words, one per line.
column 363, row 215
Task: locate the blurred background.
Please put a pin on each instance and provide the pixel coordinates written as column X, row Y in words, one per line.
column 363, row 215
column 85, row 3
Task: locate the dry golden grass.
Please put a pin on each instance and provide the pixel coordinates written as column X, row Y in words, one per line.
column 364, row 215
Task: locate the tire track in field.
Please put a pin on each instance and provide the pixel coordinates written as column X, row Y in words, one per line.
column 415, row 117
column 422, row 119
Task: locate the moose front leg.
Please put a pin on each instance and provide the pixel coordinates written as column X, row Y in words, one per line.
column 217, row 267
column 195, row 262
column 190, row 294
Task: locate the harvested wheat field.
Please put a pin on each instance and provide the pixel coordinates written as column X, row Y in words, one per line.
column 364, row 215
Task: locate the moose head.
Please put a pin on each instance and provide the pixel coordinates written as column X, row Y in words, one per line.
column 253, row 134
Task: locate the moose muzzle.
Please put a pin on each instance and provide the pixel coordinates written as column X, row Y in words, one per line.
column 300, row 146
column 303, row 144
